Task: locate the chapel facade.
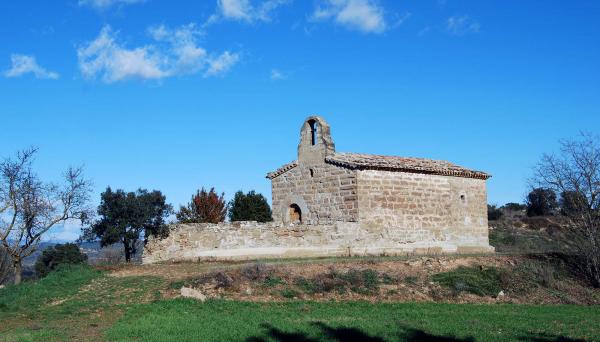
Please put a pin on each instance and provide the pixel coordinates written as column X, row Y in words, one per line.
column 414, row 200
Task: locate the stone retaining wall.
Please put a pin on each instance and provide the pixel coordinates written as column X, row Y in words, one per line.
column 251, row 240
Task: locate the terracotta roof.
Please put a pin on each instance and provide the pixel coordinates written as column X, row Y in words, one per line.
column 390, row 163
column 405, row 164
column 282, row 169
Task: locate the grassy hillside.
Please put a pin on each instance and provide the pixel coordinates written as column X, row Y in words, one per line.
column 81, row 303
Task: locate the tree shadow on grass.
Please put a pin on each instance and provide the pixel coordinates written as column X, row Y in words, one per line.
column 345, row 334
column 549, row 338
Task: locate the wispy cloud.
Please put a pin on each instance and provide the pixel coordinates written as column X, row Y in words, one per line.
column 23, row 64
column 245, row 10
column 362, row 15
column 277, row 75
column 104, row 4
column 461, row 25
column 172, row 52
column 221, row 64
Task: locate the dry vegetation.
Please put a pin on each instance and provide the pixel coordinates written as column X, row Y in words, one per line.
column 467, row 279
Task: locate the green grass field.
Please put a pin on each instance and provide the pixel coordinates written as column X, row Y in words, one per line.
column 84, row 304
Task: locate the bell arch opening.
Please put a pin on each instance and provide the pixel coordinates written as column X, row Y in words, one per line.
column 313, row 132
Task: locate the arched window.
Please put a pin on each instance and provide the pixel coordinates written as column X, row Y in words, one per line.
column 313, row 132
column 295, row 214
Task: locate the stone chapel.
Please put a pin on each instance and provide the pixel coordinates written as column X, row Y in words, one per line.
column 416, row 199
column 327, row 203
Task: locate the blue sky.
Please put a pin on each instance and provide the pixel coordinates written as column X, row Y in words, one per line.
column 176, row 95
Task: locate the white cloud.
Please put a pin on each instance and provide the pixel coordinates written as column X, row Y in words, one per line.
column 23, row 64
column 277, row 75
column 362, row 15
column 104, row 4
column 221, row 64
column 462, row 25
column 235, row 9
column 104, row 57
column 173, row 52
column 245, row 10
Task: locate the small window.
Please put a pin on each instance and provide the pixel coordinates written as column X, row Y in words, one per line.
column 312, row 173
column 462, row 198
column 313, row 132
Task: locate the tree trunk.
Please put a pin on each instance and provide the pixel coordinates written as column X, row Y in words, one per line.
column 127, row 252
column 17, row 265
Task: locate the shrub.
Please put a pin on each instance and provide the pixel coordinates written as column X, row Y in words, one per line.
column 359, row 281
column 205, row 207
column 56, row 255
column 249, row 207
column 541, row 202
column 482, row 281
column 272, row 281
column 387, row 279
column 531, row 274
column 223, row 280
column 289, row 293
column 256, row 271
column 494, row 213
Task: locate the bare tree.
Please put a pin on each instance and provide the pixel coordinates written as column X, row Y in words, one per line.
column 30, row 207
column 574, row 174
column 5, row 265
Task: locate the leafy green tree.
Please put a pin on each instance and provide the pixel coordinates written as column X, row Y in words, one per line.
column 512, row 206
column 249, row 207
column 205, row 207
column 541, row 202
column 127, row 216
column 51, row 257
column 572, row 203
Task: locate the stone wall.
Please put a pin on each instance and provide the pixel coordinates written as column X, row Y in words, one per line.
column 251, row 240
column 325, row 193
column 423, row 207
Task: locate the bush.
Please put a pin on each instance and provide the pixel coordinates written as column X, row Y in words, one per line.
column 205, row 207
column 482, row 281
column 249, row 207
column 541, row 202
column 494, row 213
column 256, row 271
column 272, row 281
column 289, row 293
column 530, row 274
column 359, row 281
column 56, row 255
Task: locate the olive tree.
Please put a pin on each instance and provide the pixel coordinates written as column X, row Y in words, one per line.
column 575, row 174
column 29, row 207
